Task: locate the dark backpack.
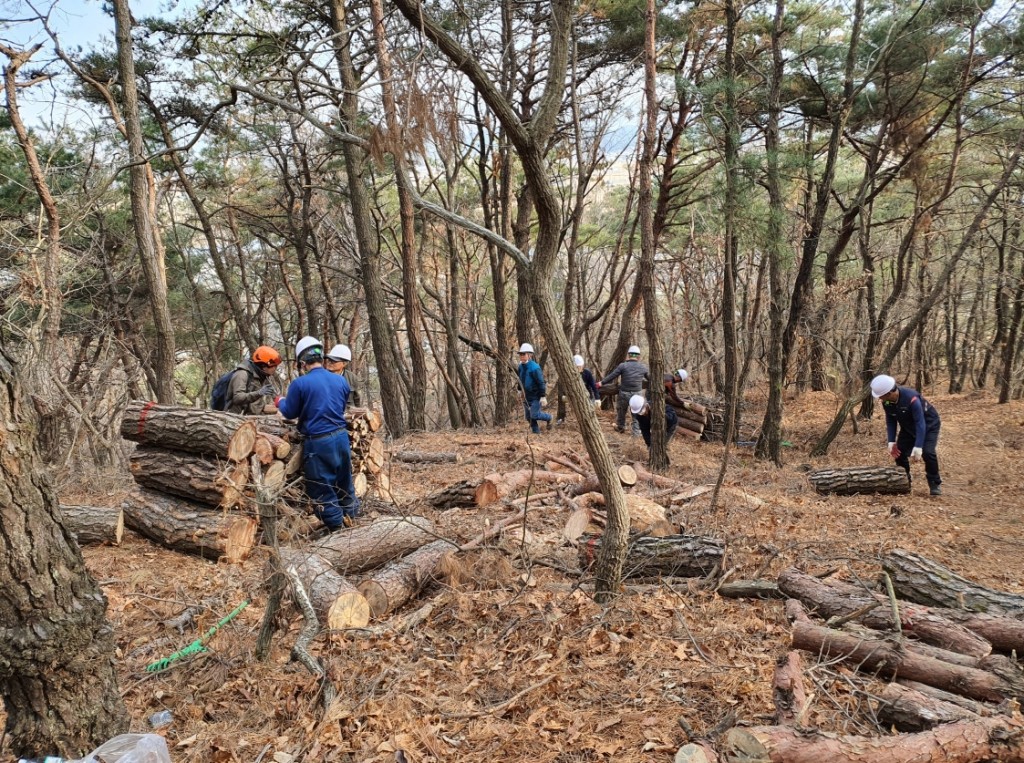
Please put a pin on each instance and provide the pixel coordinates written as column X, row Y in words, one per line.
column 219, row 396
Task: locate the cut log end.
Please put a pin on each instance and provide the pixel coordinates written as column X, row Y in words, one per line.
column 349, row 610
column 627, row 475
column 240, row 540
column 242, row 442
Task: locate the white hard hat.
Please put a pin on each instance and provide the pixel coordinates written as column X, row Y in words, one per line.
column 636, row 403
column 633, row 350
column 683, row 376
column 339, row 352
column 882, row 385
column 526, row 347
column 304, row 344
column 577, row 361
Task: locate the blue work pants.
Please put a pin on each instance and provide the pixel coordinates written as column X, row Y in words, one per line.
column 327, row 465
column 534, row 414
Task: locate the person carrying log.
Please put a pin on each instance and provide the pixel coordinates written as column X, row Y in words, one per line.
column 918, row 423
column 671, row 380
column 317, row 399
column 631, row 374
column 336, row 361
column 248, row 390
column 641, row 410
column 533, row 389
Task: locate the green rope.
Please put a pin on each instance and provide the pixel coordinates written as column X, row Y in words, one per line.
column 199, row 645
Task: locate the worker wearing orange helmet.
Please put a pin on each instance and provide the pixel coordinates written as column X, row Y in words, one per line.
column 250, row 391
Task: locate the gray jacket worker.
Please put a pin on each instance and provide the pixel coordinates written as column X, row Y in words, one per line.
column 631, row 374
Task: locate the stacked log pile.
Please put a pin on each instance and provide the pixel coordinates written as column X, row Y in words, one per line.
column 369, row 457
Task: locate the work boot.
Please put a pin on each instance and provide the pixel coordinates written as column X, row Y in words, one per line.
column 935, row 490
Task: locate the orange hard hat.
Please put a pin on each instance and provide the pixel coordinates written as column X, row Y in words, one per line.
column 266, row 356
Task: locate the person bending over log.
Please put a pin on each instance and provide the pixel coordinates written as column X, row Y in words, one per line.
column 641, row 411
column 671, row 380
column 317, row 399
column 918, row 423
column 337, row 361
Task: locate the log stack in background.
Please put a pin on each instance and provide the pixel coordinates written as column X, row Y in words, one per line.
column 693, row 415
column 369, row 457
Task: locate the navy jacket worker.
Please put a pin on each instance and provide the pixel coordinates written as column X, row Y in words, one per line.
column 918, row 423
column 317, row 399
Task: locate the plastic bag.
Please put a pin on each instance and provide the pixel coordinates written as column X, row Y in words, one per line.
column 130, row 748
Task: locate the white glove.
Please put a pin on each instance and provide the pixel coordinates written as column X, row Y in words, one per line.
column 543, row 402
column 915, row 454
column 597, row 403
column 892, row 449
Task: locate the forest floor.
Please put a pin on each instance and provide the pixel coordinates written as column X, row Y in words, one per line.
column 518, row 663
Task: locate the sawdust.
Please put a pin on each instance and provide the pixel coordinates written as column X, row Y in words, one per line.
column 515, row 661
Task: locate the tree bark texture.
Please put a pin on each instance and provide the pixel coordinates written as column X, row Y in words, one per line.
column 909, row 710
column 788, row 691
column 337, row 602
column 57, row 679
column 197, row 478
column 210, row 433
column 890, row 480
column 190, row 528
column 688, row 556
column 94, row 524
column 420, row 457
column 401, row 580
column 927, row 582
column 369, row 546
column 841, row 599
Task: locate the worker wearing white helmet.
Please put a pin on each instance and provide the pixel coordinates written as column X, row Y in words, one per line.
column 588, row 379
column 337, row 361
column 671, row 380
column 918, row 424
column 317, row 400
column 641, row 410
column 631, row 374
column 533, row 389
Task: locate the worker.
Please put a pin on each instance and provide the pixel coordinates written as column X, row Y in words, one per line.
column 533, row 388
column 919, row 426
column 641, row 410
column 249, row 390
column 588, row 379
column 631, row 374
column 336, row 361
column 671, row 380
column 317, row 399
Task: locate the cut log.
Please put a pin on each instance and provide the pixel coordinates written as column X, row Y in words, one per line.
column 371, row 418
column 94, row 524
column 889, row 659
column 684, row 432
column 788, row 691
column 974, row 741
column 421, row 457
column 274, row 477
column 190, row 528
column 750, row 589
column 337, row 602
column 910, row 710
column 926, row 582
column 382, row 486
column 888, row 480
column 645, row 516
column 359, row 484
column 369, row 546
column 657, row 480
column 294, row 462
column 690, row 425
column 688, row 556
column 376, row 457
column 689, row 415
column 401, row 580
column 211, row 433
column 836, row 599
column 1004, row 632
column 627, row 475
column 502, row 485
column 198, row 478
column 280, row 446
column 461, row 495
column 275, row 425
column 263, row 449
column 975, row 708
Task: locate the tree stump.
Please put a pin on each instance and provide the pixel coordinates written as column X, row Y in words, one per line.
column 927, row 582
column 337, row 602
column 369, row 546
column 211, row 433
column 190, row 528
column 197, row 478
column 94, row 524
column 886, row 480
column 401, row 580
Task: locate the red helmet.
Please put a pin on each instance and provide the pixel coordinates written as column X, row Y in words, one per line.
column 267, row 357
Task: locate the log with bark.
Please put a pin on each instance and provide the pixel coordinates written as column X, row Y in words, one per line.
column 421, row 457
column 645, row 516
column 494, row 487
column 211, row 433
column 198, row 478
column 907, row 709
column 401, row 580
column 838, row 600
column 671, row 556
column 369, row 546
column 94, row 524
column 190, row 528
column 887, row 480
column 338, row 603
column 788, row 692
column 921, row 580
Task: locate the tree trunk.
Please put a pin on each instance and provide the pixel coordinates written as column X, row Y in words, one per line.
column 211, row 433
column 197, row 478
column 189, row 528
column 888, row 480
column 338, row 603
column 369, row 546
column 926, row 582
column 94, row 524
column 832, row 600
column 688, row 556
column 401, row 580
column 57, row 679
column 143, row 212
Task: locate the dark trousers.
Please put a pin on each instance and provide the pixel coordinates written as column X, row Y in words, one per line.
column 327, row 466
column 622, row 408
column 905, row 444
